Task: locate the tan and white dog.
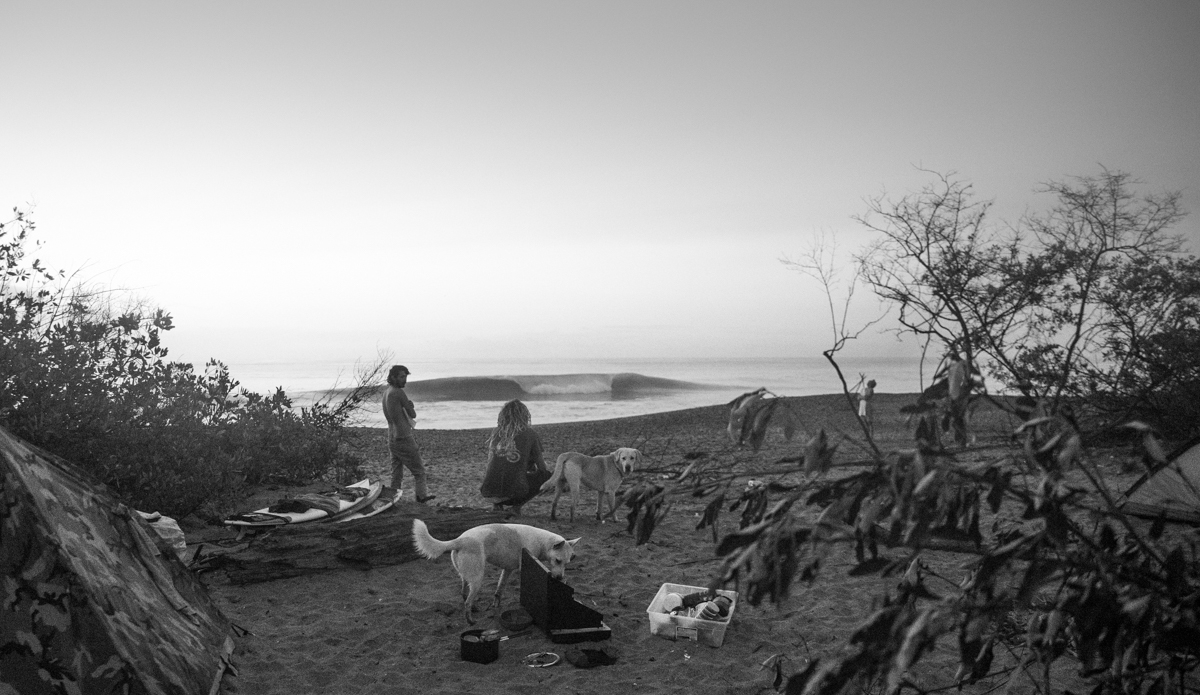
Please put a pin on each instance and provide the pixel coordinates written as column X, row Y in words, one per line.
column 600, row 473
column 495, row 544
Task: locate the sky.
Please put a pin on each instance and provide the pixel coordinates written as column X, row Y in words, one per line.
column 328, row 181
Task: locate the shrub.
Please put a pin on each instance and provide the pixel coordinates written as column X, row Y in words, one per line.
column 88, row 379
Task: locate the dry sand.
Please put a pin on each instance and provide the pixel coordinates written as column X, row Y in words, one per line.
column 396, row 629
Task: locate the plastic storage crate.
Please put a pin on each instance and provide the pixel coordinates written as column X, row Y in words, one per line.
column 676, row 627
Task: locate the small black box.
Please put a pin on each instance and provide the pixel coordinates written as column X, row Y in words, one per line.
column 472, row 647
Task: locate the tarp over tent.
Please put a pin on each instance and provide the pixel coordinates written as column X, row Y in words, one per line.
column 91, row 599
column 1172, row 490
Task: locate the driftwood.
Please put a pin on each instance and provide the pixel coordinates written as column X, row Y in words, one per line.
column 279, row 552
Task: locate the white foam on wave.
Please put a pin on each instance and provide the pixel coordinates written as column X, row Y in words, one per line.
column 564, row 384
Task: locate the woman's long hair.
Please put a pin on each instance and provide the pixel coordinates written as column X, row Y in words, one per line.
column 512, row 420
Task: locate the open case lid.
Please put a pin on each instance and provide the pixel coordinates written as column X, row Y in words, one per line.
column 550, row 601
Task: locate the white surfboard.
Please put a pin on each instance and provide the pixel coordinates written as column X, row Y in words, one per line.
column 347, row 504
column 385, row 502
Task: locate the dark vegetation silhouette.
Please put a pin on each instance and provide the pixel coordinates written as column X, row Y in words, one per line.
column 1089, row 305
column 85, row 376
column 1087, row 317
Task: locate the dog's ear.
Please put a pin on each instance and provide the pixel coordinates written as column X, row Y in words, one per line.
column 564, row 542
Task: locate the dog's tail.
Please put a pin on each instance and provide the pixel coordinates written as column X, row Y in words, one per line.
column 428, row 546
column 556, row 476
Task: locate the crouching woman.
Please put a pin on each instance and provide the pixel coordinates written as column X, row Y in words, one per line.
column 515, row 468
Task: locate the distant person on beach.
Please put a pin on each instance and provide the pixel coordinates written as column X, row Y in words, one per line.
column 400, row 413
column 866, row 406
column 515, row 468
column 960, row 381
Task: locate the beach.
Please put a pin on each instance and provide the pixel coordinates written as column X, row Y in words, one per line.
column 396, row 629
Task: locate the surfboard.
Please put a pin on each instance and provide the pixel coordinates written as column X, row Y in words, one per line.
column 387, row 499
column 346, row 504
column 373, row 491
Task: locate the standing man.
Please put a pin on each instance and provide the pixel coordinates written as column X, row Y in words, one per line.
column 400, row 413
column 866, row 406
column 960, row 379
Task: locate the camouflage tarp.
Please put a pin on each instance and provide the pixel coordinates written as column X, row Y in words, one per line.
column 93, row 601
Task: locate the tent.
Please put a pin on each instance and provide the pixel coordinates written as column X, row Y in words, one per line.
column 92, row 600
column 1171, row 490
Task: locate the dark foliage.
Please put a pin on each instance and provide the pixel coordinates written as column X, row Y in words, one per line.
column 1089, row 304
column 646, row 509
column 1084, row 581
column 751, row 414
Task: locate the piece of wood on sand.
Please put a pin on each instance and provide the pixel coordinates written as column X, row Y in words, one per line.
column 278, row 552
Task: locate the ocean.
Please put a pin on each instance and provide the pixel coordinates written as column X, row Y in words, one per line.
column 467, row 394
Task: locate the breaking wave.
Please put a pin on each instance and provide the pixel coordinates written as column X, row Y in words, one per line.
column 546, row 387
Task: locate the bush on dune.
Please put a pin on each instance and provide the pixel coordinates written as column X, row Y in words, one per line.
column 89, row 380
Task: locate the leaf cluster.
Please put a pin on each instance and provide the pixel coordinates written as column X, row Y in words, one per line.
column 647, row 506
column 752, row 413
column 1058, row 575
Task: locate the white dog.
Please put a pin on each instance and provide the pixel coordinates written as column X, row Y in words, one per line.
column 600, row 473
column 499, row 545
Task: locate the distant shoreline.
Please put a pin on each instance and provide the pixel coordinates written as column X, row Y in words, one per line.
column 807, row 407
column 456, row 395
